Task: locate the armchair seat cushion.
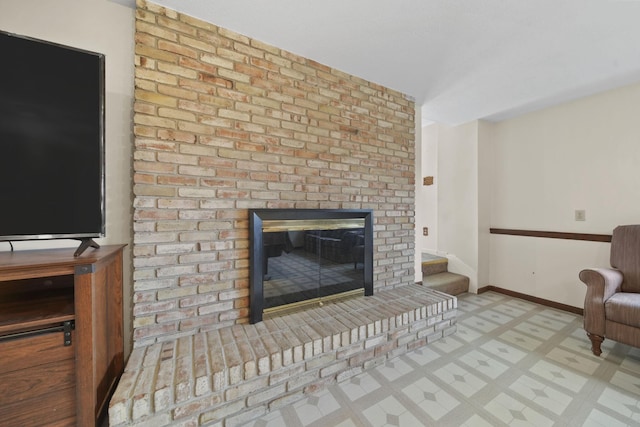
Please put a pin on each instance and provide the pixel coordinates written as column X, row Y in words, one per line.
column 623, row 308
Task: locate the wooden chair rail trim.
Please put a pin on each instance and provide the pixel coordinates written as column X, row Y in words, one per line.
column 553, row 234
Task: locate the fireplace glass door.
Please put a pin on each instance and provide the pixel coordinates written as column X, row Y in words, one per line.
column 303, row 265
column 302, row 256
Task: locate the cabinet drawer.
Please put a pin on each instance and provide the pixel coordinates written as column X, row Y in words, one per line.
column 22, row 353
column 52, row 409
column 37, row 381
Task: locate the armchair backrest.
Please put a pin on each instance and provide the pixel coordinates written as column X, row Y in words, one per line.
column 625, row 255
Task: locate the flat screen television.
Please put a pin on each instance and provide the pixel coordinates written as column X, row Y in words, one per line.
column 52, row 111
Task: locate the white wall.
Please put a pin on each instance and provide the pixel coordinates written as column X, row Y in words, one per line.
column 427, row 196
column 105, row 27
column 580, row 155
column 419, row 197
column 454, row 156
column 458, row 198
column 485, row 167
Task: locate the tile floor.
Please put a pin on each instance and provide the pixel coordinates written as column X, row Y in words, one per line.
column 511, row 363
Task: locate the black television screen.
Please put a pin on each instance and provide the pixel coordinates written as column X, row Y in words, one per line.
column 51, row 140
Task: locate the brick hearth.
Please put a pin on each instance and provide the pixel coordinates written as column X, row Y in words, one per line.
column 231, row 375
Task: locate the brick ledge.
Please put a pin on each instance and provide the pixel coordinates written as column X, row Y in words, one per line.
column 228, row 376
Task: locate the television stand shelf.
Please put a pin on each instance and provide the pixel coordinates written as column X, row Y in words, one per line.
column 61, row 337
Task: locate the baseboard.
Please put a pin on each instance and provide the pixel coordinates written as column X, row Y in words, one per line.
column 541, row 301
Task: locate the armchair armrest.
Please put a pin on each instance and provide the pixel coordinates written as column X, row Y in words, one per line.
column 601, row 283
column 604, row 281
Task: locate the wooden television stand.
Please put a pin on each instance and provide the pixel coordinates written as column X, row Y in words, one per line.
column 61, row 336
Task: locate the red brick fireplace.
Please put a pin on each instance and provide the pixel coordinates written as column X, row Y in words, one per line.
column 225, row 124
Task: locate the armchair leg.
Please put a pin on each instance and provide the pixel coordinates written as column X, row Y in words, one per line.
column 596, row 340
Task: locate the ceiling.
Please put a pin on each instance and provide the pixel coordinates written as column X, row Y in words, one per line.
column 461, row 60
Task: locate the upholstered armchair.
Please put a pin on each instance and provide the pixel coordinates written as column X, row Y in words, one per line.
column 612, row 303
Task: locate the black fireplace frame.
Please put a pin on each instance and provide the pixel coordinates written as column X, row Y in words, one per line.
column 256, row 273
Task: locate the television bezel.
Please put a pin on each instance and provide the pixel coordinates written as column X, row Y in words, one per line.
column 101, row 147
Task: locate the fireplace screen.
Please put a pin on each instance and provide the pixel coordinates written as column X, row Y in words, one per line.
column 301, row 256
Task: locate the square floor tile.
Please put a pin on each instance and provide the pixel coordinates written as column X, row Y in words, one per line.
column 460, row 380
column 316, row 406
column 504, row 351
column 521, row 340
column 632, row 361
column 574, row 360
column 515, row 413
column 447, row 344
column 422, row 356
column 559, row 376
column 496, row 316
column 547, row 322
column 394, row 369
column 621, row 403
column 627, row 381
column 559, row 315
column 467, row 334
column 390, row 412
column 477, row 421
column 431, row 398
column 598, row 418
column 479, row 324
column 359, row 386
column 545, row 396
column 534, row 330
column 484, row 364
column 510, row 310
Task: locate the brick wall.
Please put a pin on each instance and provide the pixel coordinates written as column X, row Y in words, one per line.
column 224, row 123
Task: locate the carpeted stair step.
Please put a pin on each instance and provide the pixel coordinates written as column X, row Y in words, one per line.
column 449, row 283
column 432, row 264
